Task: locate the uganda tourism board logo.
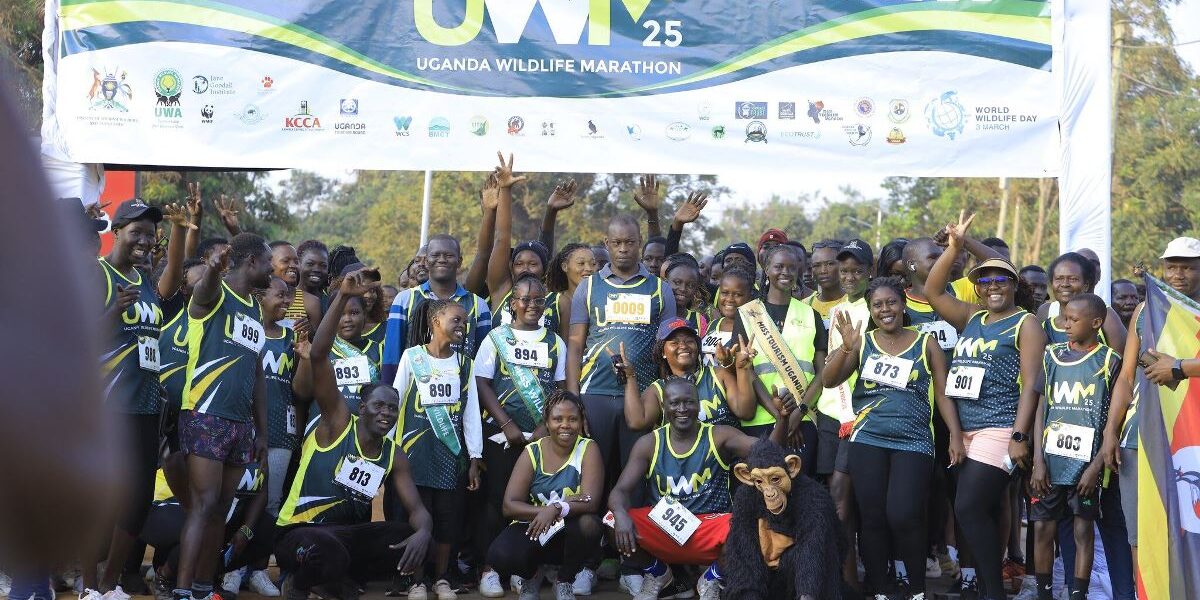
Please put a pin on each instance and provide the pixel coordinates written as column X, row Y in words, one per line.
column 168, row 87
column 750, row 110
column 109, row 91
column 946, row 115
column 348, row 107
column 402, row 123
column 439, row 127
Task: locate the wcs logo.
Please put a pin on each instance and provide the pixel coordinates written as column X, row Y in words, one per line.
column 973, row 346
column 1071, row 392
column 683, row 486
column 566, row 18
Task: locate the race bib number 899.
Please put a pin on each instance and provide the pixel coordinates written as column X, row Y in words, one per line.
column 248, row 333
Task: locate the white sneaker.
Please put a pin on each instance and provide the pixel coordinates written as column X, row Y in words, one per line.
column 515, row 582
column 631, row 584
column 261, row 584
column 933, row 569
column 1028, row 589
column 920, row 596
column 444, row 590
column 880, row 597
column 5, row 584
column 232, row 582
column 418, row 592
column 90, row 594
column 652, row 585
column 489, row 585
column 116, row 594
column 584, row 580
column 710, row 589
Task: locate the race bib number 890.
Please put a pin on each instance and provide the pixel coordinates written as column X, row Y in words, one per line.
column 440, row 391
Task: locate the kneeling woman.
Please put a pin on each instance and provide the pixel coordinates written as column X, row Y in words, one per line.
column 553, row 498
column 891, row 445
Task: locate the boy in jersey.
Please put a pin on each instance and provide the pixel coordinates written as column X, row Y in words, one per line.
column 1067, row 463
column 686, row 461
column 223, row 421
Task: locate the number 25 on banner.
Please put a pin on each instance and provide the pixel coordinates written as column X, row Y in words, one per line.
column 670, row 32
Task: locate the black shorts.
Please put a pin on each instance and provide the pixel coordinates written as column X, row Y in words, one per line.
column 1064, row 501
column 446, row 507
column 833, row 452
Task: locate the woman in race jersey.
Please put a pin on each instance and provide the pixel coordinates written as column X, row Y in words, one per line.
column 572, row 264
column 1070, row 275
column 901, row 373
column 996, row 362
column 737, row 288
column 683, row 273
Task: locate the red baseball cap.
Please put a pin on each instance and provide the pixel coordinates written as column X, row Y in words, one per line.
column 772, row 235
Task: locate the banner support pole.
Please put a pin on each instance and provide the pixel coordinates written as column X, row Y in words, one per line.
column 425, row 207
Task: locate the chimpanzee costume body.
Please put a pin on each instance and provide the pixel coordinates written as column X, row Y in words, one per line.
column 785, row 540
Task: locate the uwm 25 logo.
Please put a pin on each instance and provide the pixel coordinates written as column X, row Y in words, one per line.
column 973, row 346
column 1072, row 392
column 566, row 18
column 684, row 485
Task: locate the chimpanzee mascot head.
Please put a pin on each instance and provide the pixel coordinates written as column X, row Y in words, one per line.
column 785, row 540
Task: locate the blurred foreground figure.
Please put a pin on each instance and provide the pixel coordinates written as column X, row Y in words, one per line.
column 57, row 453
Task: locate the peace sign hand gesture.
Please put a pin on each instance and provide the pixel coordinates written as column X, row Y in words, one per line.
column 848, row 331
column 504, row 172
column 957, row 232
column 744, row 352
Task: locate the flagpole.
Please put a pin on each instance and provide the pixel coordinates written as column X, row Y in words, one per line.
column 425, row 207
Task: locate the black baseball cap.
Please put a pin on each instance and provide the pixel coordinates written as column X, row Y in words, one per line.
column 858, row 250
column 741, row 248
column 666, row 328
column 135, row 210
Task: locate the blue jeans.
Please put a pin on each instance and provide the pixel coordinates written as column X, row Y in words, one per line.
column 1116, row 543
column 35, row 587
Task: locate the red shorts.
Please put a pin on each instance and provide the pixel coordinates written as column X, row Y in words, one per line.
column 701, row 549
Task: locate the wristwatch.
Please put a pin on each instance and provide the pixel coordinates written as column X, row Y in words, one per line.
column 1017, row 436
column 1177, row 370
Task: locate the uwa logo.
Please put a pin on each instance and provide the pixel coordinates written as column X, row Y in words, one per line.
column 973, row 346
column 142, row 312
column 566, row 18
column 685, row 485
column 1071, row 392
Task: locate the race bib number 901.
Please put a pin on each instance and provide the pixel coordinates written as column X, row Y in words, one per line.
column 628, row 308
column 964, row 382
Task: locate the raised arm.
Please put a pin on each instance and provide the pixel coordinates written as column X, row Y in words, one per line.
column 687, row 212
column 951, row 309
column 499, row 280
column 172, row 276
column 476, row 279
column 562, row 198
column 207, row 291
column 844, row 360
column 647, row 194
column 335, row 415
column 195, row 210
column 228, row 210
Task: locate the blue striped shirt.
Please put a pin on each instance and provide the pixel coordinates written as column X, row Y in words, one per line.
column 396, row 339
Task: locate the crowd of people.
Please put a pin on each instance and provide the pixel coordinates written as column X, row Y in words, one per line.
column 564, row 415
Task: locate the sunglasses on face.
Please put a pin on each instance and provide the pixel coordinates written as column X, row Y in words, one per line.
column 996, row 279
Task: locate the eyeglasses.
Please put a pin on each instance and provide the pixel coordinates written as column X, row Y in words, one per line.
column 996, row 279
column 528, row 301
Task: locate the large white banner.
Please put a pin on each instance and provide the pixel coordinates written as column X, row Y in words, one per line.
column 879, row 87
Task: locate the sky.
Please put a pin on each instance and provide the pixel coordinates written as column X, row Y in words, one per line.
column 1185, row 18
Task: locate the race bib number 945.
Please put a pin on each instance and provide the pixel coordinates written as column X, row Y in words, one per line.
column 674, row 519
column 628, row 308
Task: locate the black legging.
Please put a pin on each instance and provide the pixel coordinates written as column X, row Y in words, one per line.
column 513, row 553
column 328, row 554
column 982, row 489
column 165, row 523
column 899, row 480
column 143, row 449
column 499, row 462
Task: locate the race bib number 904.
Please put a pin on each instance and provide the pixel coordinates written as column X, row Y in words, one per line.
column 628, row 308
column 945, row 334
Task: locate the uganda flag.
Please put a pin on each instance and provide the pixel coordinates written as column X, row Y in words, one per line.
column 1169, row 457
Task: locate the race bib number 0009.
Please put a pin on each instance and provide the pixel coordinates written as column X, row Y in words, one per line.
column 964, row 382
column 628, row 308
column 359, row 476
column 1070, row 441
column 885, row 369
column 248, row 333
column 352, row 371
column 674, row 519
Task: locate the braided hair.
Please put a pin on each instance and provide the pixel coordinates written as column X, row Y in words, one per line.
column 420, row 331
column 742, row 275
column 560, row 396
